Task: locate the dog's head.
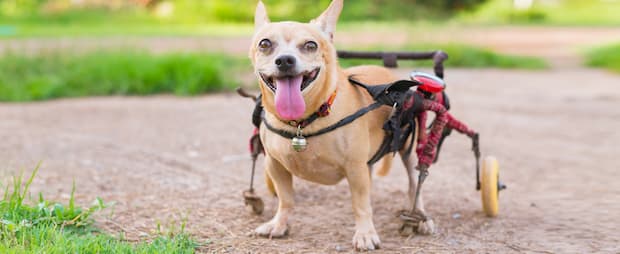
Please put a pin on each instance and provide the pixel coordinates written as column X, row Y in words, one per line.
column 296, row 63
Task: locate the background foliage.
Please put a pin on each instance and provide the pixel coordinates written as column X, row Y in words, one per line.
column 27, row 76
column 607, row 57
column 192, row 11
column 56, row 74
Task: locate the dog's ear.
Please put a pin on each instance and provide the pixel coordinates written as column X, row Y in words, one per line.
column 260, row 16
column 328, row 19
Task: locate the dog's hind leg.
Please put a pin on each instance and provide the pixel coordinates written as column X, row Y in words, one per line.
column 283, row 181
column 408, row 160
column 412, row 173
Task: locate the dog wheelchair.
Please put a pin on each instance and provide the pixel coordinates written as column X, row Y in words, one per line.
column 408, row 107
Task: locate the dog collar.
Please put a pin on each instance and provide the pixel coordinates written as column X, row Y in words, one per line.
column 323, row 111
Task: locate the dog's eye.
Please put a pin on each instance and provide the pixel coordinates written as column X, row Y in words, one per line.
column 310, row 46
column 264, row 44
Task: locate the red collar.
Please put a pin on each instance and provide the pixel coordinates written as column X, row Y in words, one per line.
column 323, row 111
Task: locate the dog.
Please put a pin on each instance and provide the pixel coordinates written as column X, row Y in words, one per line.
column 297, row 67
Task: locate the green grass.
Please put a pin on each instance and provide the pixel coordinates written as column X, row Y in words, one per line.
column 58, row 74
column 563, row 13
column 12, row 30
column 607, row 57
column 459, row 56
column 48, row 227
column 52, row 30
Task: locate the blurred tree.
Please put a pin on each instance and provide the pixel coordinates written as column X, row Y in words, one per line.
column 197, row 11
column 19, row 8
column 451, row 5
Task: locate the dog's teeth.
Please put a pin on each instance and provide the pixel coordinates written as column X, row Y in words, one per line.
column 313, row 74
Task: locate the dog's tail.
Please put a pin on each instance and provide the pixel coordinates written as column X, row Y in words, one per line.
column 385, row 164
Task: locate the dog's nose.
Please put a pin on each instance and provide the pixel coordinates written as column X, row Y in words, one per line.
column 285, row 62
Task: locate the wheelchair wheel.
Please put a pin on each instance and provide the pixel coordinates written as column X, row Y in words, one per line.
column 489, row 186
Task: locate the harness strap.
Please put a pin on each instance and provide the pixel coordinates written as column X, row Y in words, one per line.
column 384, row 149
column 258, row 111
column 398, row 95
column 399, row 127
column 342, row 122
column 395, row 139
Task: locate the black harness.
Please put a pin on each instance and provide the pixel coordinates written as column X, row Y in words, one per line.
column 344, row 121
column 399, row 126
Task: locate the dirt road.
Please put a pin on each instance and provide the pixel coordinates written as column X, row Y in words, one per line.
column 168, row 160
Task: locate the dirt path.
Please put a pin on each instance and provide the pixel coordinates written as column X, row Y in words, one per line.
column 166, row 159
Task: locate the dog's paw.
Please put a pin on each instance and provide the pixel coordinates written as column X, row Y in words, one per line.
column 426, row 227
column 272, row 230
column 366, row 241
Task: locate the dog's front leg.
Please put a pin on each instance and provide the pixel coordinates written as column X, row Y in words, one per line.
column 283, row 181
column 365, row 237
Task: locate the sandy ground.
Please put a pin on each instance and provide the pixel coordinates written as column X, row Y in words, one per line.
column 167, row 160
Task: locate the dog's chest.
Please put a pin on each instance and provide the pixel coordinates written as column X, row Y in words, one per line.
column 323, row 161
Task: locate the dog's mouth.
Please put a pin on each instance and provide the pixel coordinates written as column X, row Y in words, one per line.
column 307, row 78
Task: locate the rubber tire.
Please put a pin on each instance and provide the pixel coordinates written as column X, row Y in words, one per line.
column 489, row 189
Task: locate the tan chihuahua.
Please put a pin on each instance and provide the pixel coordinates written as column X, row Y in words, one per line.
column 297, row 68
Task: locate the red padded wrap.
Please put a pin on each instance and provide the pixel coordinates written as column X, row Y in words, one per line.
column 451, row 122
column 459, row 126
column 441, row 118
column 439, row 98
column 251, row 146
column 422, row 137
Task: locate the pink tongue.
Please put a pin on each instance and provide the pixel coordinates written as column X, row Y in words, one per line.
column 289, row 102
